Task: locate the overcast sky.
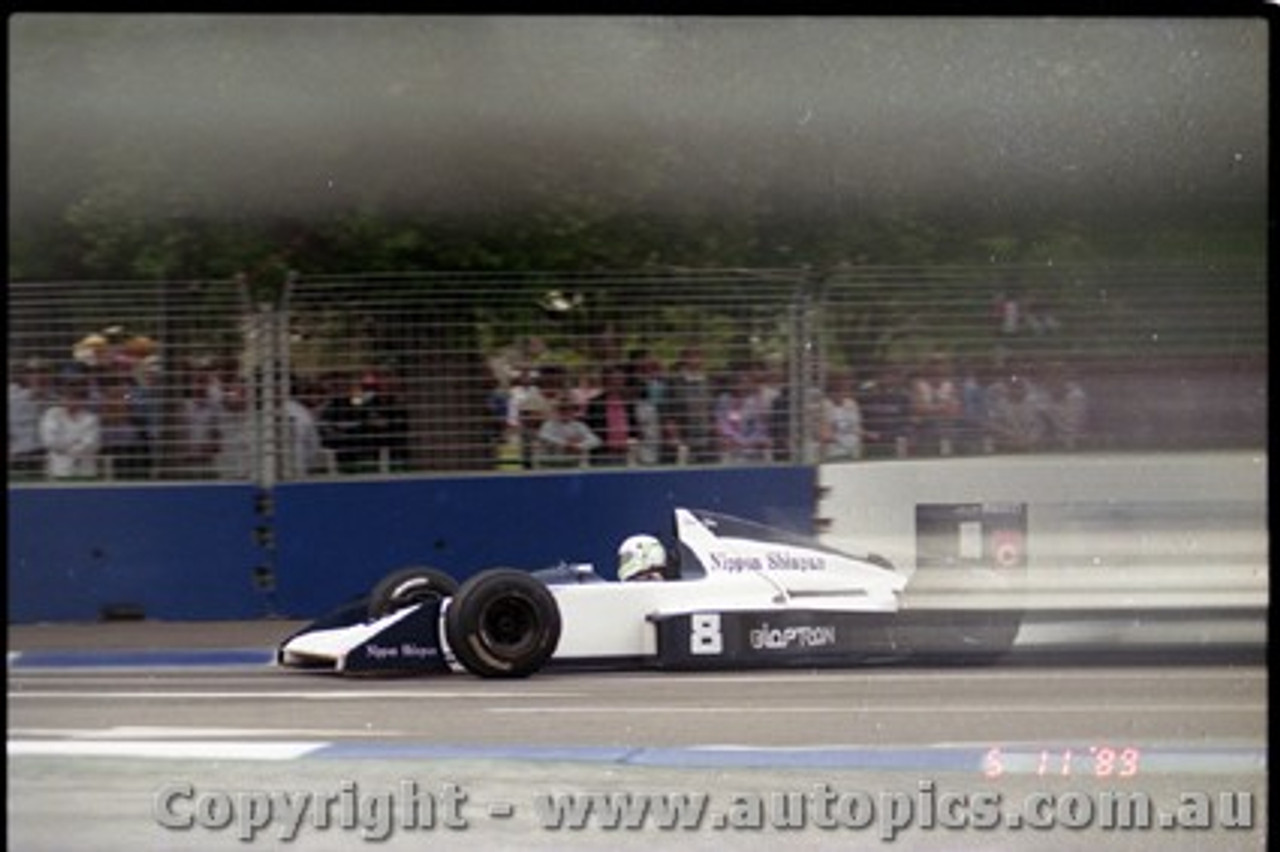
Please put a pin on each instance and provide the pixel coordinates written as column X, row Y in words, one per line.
column 314, row 114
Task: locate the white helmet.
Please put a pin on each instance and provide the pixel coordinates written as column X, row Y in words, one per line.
column 638, row 555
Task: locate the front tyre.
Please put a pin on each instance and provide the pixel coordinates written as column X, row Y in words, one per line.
column 409, row 586
column 503, row 623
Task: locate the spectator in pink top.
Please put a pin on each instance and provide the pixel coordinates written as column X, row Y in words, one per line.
column 610, row 416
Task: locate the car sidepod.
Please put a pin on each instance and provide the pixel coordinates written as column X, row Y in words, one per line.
column 771, row 638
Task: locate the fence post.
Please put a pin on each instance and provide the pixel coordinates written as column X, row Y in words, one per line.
column 266, row 363
column 266, row 360
column 805, row 374
column 284, row 463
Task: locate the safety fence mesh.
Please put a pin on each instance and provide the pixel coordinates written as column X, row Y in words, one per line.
column 384, row 374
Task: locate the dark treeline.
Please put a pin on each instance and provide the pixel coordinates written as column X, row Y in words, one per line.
column 88, row 243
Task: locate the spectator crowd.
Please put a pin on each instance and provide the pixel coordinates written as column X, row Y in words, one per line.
column 635, row 411
column 101, row 415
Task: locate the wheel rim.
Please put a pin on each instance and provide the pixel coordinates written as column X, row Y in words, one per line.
column 509, row 625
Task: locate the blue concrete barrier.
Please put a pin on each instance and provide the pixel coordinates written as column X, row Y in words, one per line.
column 336, row 539
column 173, row 552
column 196, row 552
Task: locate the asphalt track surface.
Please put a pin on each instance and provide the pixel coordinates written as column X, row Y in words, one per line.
column 177, row 736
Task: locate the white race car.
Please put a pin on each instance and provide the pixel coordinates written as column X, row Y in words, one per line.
column 736, row 595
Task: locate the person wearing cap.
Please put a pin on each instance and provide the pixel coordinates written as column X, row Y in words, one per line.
column 641, row 558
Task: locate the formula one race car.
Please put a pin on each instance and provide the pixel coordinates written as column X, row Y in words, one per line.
column 737, row 595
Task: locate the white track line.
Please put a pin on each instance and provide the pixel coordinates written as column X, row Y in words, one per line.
column 737, row 709
column 275, row 695
column 189, row 750
column 177, row 733
column 1128, row 675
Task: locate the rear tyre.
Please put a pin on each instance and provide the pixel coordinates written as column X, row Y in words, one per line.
column 409, row 586
column 503, row 623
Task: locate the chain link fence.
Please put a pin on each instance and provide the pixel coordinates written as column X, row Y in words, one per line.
column 450, row 372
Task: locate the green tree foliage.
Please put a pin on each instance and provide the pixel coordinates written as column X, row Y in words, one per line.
column 141, row 222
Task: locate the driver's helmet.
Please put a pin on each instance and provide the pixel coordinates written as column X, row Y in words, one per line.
column 641, row 557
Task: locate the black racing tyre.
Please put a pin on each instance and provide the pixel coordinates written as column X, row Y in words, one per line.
column 408, row 586
column 503, row 623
